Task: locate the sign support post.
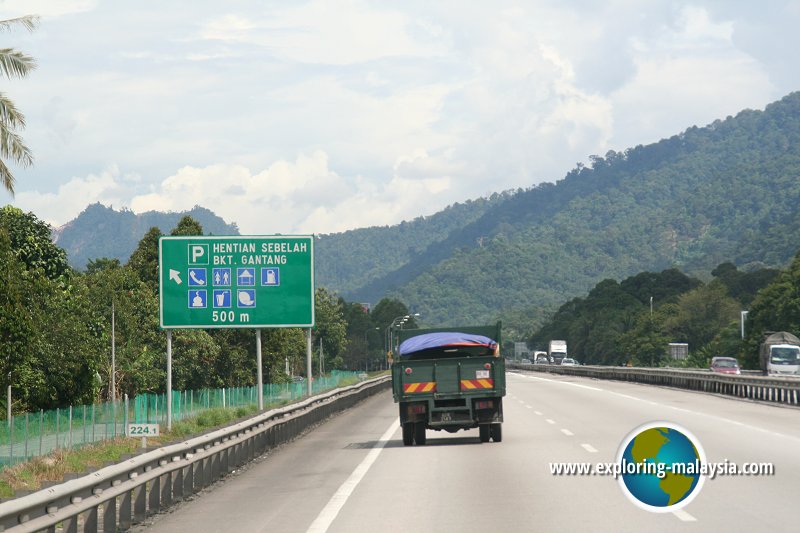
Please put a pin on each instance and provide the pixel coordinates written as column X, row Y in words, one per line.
column 169, row 380
column 308, row 363
column 260, row 372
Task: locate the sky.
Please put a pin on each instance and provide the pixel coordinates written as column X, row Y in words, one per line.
column 328, row 115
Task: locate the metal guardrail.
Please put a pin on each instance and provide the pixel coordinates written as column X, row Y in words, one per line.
column 783, row 390
column 121, row 495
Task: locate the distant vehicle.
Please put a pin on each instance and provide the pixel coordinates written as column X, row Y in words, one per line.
column 725, row 365
column 525, row 362
column 779, row 353
column 568, row 362
column 557, row 350
column 298, row 379
column 543, row 360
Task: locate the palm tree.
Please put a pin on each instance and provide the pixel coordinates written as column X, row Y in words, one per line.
column 13, row 64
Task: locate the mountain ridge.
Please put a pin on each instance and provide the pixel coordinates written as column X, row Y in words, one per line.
column 727, row 191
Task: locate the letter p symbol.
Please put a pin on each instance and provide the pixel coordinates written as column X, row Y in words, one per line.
column 198, row 254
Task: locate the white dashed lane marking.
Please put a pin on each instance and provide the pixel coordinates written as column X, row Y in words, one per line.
column 589, row 448
column 683, row 516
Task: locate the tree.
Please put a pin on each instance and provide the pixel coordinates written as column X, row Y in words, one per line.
column 13, row 64
column 187, row 227
column 144, row 259
column 387, row 310
column 16, row 322
column 101, row 263
column 140, row 346
column 50, row 345
column 32, row 244
column 645, row 345
column 701, row 314
column 331, row 327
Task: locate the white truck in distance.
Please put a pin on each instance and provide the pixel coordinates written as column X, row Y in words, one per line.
column 557, row 350
column 780, row 353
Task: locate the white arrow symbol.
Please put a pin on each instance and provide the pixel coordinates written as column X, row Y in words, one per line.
column 175, row 276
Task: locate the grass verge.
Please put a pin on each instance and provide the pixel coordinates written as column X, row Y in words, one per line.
column 33, row 474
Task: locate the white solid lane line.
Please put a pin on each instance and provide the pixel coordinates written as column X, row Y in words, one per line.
column 337, row 501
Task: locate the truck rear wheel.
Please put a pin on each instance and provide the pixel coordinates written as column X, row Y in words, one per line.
column 483, row 432
column 419, row 433
column 408, row 433
column 497, row 432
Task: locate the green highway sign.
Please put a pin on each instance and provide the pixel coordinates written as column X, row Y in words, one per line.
column 236, row 281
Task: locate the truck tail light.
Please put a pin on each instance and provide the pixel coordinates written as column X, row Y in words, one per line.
column 408, row 371
column 487, row 366
column 484, row 404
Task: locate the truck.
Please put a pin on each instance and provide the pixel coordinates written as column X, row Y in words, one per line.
column 779, row 353
column 449, row 379
column 557, row 351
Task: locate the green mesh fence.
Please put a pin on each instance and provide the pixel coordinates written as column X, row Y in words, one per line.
column 28, row 435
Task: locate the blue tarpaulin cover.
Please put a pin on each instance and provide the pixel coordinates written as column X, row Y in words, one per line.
column 448, row 339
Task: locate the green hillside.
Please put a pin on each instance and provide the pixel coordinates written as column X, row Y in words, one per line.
column 347, row 261
column 100, row 231
column 727, row 191
column 724, row 192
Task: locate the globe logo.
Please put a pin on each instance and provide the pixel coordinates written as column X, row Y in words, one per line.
column 661, row 466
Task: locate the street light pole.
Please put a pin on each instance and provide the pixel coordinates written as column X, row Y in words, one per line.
column 390, row 329
column 743, row 316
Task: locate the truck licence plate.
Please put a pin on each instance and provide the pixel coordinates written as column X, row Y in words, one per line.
column 481, row 374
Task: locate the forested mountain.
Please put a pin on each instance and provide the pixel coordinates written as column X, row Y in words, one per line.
column 728, row 191
column 101, row 231
column 347, row 261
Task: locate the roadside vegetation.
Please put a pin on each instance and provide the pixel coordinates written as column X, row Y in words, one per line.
column 34, row 474
column 634, row 320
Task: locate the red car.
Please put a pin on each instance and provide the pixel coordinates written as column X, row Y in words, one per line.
column 725, row 365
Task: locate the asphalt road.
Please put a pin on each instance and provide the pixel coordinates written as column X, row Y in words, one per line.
column 353, row 473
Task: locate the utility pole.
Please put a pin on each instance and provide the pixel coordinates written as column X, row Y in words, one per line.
column 113, row 354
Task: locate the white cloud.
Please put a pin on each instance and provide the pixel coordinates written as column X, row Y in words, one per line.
column 47, row 8
column 441, row 101
column 686, row 75
column 336, row 32
column 108, row 187
column 300, row 196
